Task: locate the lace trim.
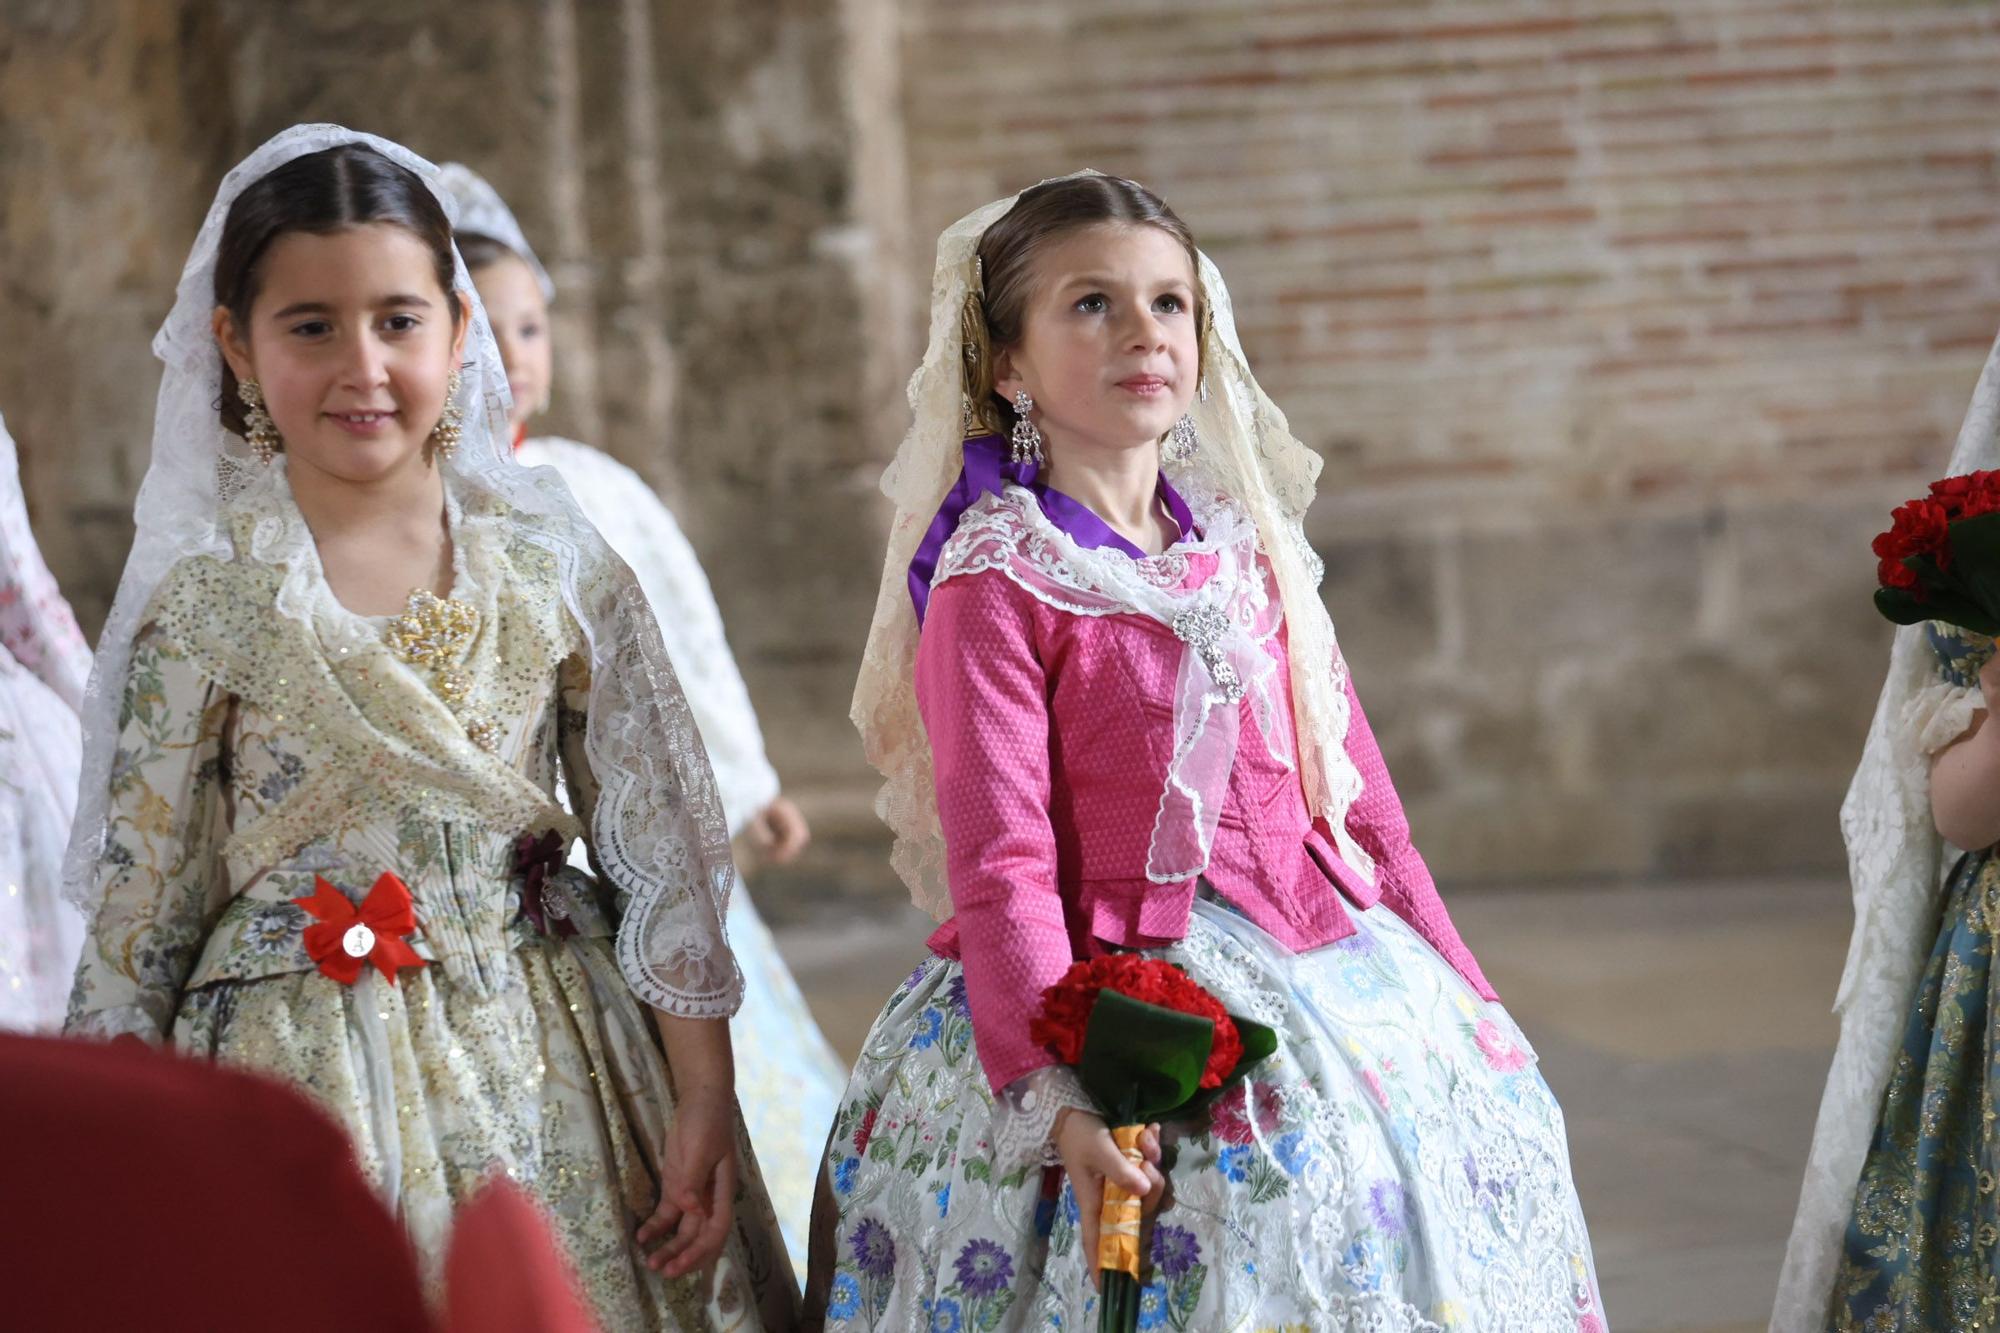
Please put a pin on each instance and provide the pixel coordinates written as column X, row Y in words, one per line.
column 1024, row 1117
column 1226, row 624
column 1938, row 715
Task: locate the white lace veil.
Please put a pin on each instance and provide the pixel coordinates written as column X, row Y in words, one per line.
column 1896, row 862
column 1247, row 453
column 482, row 212
column 658, row 827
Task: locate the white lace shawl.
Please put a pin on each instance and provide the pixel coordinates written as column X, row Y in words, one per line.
column 1247, row 453
column 658, row 828
column 1896, row 861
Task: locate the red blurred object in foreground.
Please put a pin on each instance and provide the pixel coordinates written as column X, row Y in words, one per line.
column 147, row 1190
column 504, row 1273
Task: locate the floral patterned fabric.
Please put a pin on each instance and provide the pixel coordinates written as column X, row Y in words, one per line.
column 510, row 1051
column 1920, row 1243
column 788, row 1080
column 1399, row 1164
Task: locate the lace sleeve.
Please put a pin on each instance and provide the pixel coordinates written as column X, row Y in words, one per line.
column 1024, row 1116
column 161, row 872
column 1944, row 708
column 655, row 824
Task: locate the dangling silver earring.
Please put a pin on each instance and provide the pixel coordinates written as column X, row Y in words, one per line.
column 1026, row 436
column 444, row 435
column 1182, row 442
column 259, row 429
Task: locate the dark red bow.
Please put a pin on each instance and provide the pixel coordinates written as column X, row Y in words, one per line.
column 536, row 861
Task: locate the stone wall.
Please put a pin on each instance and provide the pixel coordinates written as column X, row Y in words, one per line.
column 1620, row 326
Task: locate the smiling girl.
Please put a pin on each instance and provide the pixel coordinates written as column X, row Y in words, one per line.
column 1113, row 717
column 353, row 647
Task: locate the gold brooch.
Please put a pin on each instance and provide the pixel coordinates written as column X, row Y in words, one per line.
column 434, row 631
column 433, row 634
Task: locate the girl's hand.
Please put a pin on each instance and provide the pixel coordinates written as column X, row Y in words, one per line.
column 697, row 1186
column 779, row 832
column 1090, row 1156
column 1989, row 684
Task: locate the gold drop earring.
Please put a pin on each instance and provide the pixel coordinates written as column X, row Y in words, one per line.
column 259, row 430
column 444, row 435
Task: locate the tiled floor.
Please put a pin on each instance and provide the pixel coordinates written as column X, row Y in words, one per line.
column 1686, row 1029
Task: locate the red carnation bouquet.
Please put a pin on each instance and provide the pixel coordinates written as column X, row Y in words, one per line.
column 1940, row 558
column 1148, row 1043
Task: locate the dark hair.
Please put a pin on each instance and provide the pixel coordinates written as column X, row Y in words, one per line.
column 1042, row 215
column 479, row 250
column 320, row 193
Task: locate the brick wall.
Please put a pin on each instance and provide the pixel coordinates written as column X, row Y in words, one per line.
column 1619, row 325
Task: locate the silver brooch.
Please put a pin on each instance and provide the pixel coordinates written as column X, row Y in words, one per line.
column 1203, row 630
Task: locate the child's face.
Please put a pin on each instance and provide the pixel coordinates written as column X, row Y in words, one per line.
column 352, row 341
column 1109, row 343
column 520, row 320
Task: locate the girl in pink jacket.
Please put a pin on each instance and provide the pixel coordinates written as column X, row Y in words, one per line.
column 1113, row 716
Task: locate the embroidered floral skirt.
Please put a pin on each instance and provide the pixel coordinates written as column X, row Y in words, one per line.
column 788, row 1079
column 554, row 1080
column 1920, row 1246
column 1398, row 1165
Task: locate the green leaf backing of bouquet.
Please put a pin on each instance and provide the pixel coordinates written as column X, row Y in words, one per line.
column 1142, row 1062
column 1968, row 596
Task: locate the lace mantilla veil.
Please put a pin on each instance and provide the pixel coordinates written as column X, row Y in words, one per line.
column 1247, row 454
column 1897, row 862
column 658, row 828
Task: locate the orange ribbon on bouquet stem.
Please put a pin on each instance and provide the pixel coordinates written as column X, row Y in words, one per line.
column 1119, row 1218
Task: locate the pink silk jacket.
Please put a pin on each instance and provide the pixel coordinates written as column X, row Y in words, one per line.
column 1050, row 732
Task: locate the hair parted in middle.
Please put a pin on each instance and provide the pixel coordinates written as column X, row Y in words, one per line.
column 1042, row 215
column 321, row 193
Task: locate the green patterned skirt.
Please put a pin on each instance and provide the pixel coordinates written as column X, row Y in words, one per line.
column 1921, row 1240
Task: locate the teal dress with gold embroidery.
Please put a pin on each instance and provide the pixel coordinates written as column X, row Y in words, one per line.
column 1924, row 1233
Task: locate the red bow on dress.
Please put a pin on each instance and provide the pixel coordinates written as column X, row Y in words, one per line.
column 346, row 940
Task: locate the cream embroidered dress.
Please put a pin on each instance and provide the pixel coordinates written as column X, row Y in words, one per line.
column 259, row 752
